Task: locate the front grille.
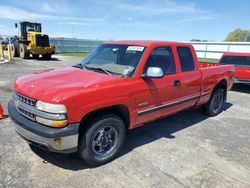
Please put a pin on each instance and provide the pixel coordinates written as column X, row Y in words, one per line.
column 26, row 113
column 42, row 40
column 27, row 108
column 26, row 100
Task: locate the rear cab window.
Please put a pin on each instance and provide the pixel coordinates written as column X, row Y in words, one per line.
column 186, row 59
column 236, row 60
column 161, row 57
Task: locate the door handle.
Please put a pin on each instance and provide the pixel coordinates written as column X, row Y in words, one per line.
column 177, row 83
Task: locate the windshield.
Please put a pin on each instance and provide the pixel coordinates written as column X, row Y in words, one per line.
column 236, row 60
column 33, row 27
column 116, row 59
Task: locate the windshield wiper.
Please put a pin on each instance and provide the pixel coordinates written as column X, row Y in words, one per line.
column 80, row 66
column 98, row 69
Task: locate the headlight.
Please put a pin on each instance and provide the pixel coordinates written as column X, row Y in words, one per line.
column 51, row 123
column 52, row 108
column 57, row 118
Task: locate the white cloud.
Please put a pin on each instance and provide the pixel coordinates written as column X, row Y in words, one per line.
column 160, row 11
column 138, row 24
column 13, row 13
column 55, row 7
column 139, row 13
column 61, row 34
column 199, row 18
column 130, row 18
column 159, row 7
column 2, row 26
column 47, row 7
column 83, row 23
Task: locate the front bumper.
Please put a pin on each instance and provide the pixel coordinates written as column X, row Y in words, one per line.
column 42, row 50
column 241, row 81
column 63, row 140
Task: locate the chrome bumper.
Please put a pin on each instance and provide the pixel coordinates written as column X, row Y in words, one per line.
column 67, row 144
column 63, row 140
column 241, row 80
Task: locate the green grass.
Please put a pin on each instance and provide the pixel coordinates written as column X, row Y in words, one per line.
column 76, row 54
column 209, row 60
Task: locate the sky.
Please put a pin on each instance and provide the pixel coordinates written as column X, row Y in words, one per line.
column 171, row 20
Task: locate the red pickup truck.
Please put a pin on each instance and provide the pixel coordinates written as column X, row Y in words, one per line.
column 121, row 85
column 242, row 65
column 241, row 61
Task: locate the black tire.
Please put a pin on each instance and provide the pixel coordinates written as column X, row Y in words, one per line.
column 46, row 56
column 14, row 52
column 215, row 104
column 102, row 140
column 23, row 52
column 35, row 56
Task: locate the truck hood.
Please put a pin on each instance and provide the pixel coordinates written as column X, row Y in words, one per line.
column 56, row 84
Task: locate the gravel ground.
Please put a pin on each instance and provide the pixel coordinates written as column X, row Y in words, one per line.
column 184, row 150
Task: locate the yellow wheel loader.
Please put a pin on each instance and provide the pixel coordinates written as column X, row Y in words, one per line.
column 31, row 41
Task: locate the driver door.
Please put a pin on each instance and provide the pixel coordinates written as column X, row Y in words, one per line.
column 160, row 95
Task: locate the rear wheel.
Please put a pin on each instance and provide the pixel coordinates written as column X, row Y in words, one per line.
column 23, row 52
column 103, row 139
column 215, row 104
column 46, row 56
column 14, row 50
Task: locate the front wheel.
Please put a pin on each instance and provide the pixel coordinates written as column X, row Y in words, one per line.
column 23, row 51
column 103, row 140
column 215, row 104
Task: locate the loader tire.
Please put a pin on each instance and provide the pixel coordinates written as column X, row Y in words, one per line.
column 13, row 50
column 24, row 53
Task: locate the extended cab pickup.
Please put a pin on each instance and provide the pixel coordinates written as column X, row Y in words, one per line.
column 242, row 65
column 121, row 85
column 240, row 60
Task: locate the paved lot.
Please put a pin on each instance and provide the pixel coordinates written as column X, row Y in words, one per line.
column 184, row 150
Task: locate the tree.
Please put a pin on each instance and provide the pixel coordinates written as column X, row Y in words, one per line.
column 237, row 35
column 247, row 39
column 198, row 40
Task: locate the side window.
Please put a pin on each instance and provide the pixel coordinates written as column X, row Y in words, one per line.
column 161, row 57
column 186, row 59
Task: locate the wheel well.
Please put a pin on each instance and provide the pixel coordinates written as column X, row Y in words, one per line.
column 119, row 110
column 222, row 85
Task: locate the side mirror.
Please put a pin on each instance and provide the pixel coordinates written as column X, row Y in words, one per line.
column 16, row 26
column 153, row 72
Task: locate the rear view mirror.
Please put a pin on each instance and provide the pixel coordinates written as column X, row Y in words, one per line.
column 153, row 72
column 115, row 50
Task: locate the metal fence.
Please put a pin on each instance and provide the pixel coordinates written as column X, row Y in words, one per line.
column 74, row 45
column 207, row 50
column 214, row 50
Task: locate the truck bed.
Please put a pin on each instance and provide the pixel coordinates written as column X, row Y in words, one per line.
column 210, row 73
column 203, row 64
